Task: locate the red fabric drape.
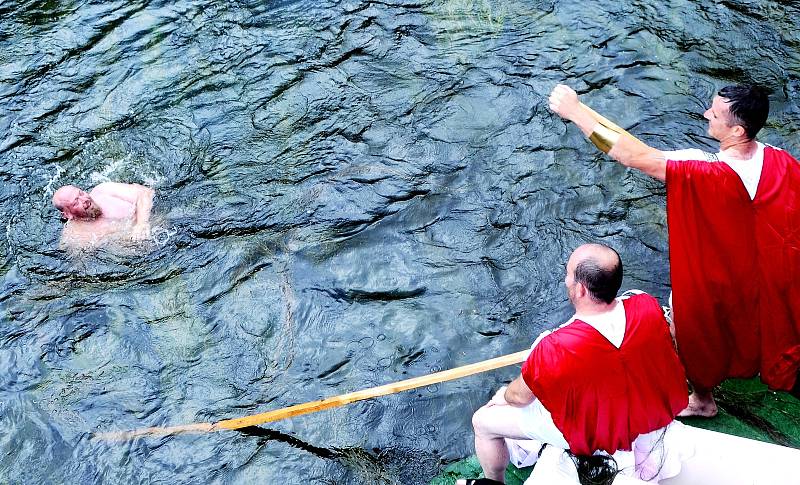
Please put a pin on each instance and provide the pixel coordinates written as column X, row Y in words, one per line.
column 735, row 266
column 602, row 397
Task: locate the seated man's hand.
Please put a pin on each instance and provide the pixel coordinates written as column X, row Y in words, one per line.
column 140, row 232
column 564, row 101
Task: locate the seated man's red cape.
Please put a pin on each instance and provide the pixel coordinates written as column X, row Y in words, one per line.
column 735, row 268
column 602, row 397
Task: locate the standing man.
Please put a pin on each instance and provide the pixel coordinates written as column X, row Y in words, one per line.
column 607, row 376
column 110, row 209
column 734, row 237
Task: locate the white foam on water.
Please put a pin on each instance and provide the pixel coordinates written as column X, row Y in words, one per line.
column 115, row 171
column 162, row 235
column 152, row 179
column 48, row 189
column 106, row 174
column 8, row 235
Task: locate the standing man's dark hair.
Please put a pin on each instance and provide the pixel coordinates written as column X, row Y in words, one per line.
column 749, row 106
column 602, row 280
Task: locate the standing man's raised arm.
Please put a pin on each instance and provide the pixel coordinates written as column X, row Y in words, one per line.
column 608, row 137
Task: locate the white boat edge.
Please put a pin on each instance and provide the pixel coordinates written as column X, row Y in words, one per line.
column 698, row 457
column 721, row 458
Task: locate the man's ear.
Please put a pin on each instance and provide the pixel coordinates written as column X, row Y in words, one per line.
column 739, row 130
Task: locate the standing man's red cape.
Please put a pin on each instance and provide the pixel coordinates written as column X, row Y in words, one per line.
column 735, row 267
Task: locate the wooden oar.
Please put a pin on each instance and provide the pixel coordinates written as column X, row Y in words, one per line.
column 331, row 402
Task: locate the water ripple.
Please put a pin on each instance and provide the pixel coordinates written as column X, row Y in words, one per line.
column 349, row 193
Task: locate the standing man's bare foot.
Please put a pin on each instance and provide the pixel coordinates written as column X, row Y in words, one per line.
column 700, row 404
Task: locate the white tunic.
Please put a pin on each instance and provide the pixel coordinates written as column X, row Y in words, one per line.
column 749, row 171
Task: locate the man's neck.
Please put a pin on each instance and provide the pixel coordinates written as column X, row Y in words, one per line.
column 591, row 308
column 738, row 149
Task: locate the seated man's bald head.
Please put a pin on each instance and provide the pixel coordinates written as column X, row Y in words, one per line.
column 599, row 269
column 603, row 255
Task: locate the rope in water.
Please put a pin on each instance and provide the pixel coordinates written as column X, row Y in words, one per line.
column 314, row 406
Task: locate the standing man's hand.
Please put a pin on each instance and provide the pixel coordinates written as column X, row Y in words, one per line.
column 607, row 136
column 564, row 102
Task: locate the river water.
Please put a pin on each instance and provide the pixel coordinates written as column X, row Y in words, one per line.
column 349, row 193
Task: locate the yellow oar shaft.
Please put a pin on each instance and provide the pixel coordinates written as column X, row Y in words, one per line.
column 156, row 431
column 373, row 392
column 331, row 402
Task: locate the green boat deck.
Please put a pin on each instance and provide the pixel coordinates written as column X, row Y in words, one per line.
column 746, row 408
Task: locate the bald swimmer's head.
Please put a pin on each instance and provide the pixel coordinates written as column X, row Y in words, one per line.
column 599, row 269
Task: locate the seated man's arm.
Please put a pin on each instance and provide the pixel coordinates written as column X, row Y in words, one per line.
column 518, row 393
column 620, row 145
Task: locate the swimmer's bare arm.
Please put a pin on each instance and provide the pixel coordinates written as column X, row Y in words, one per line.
column 518, row 393
column 628, row 150
column 138, row 195
column 144, row 203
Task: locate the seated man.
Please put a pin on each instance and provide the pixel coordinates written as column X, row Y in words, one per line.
column 110, row 211
column 602, row 379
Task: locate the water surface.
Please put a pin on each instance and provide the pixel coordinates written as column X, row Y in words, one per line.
column 350, row 193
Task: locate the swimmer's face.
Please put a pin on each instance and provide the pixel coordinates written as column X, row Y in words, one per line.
column 74, row 203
